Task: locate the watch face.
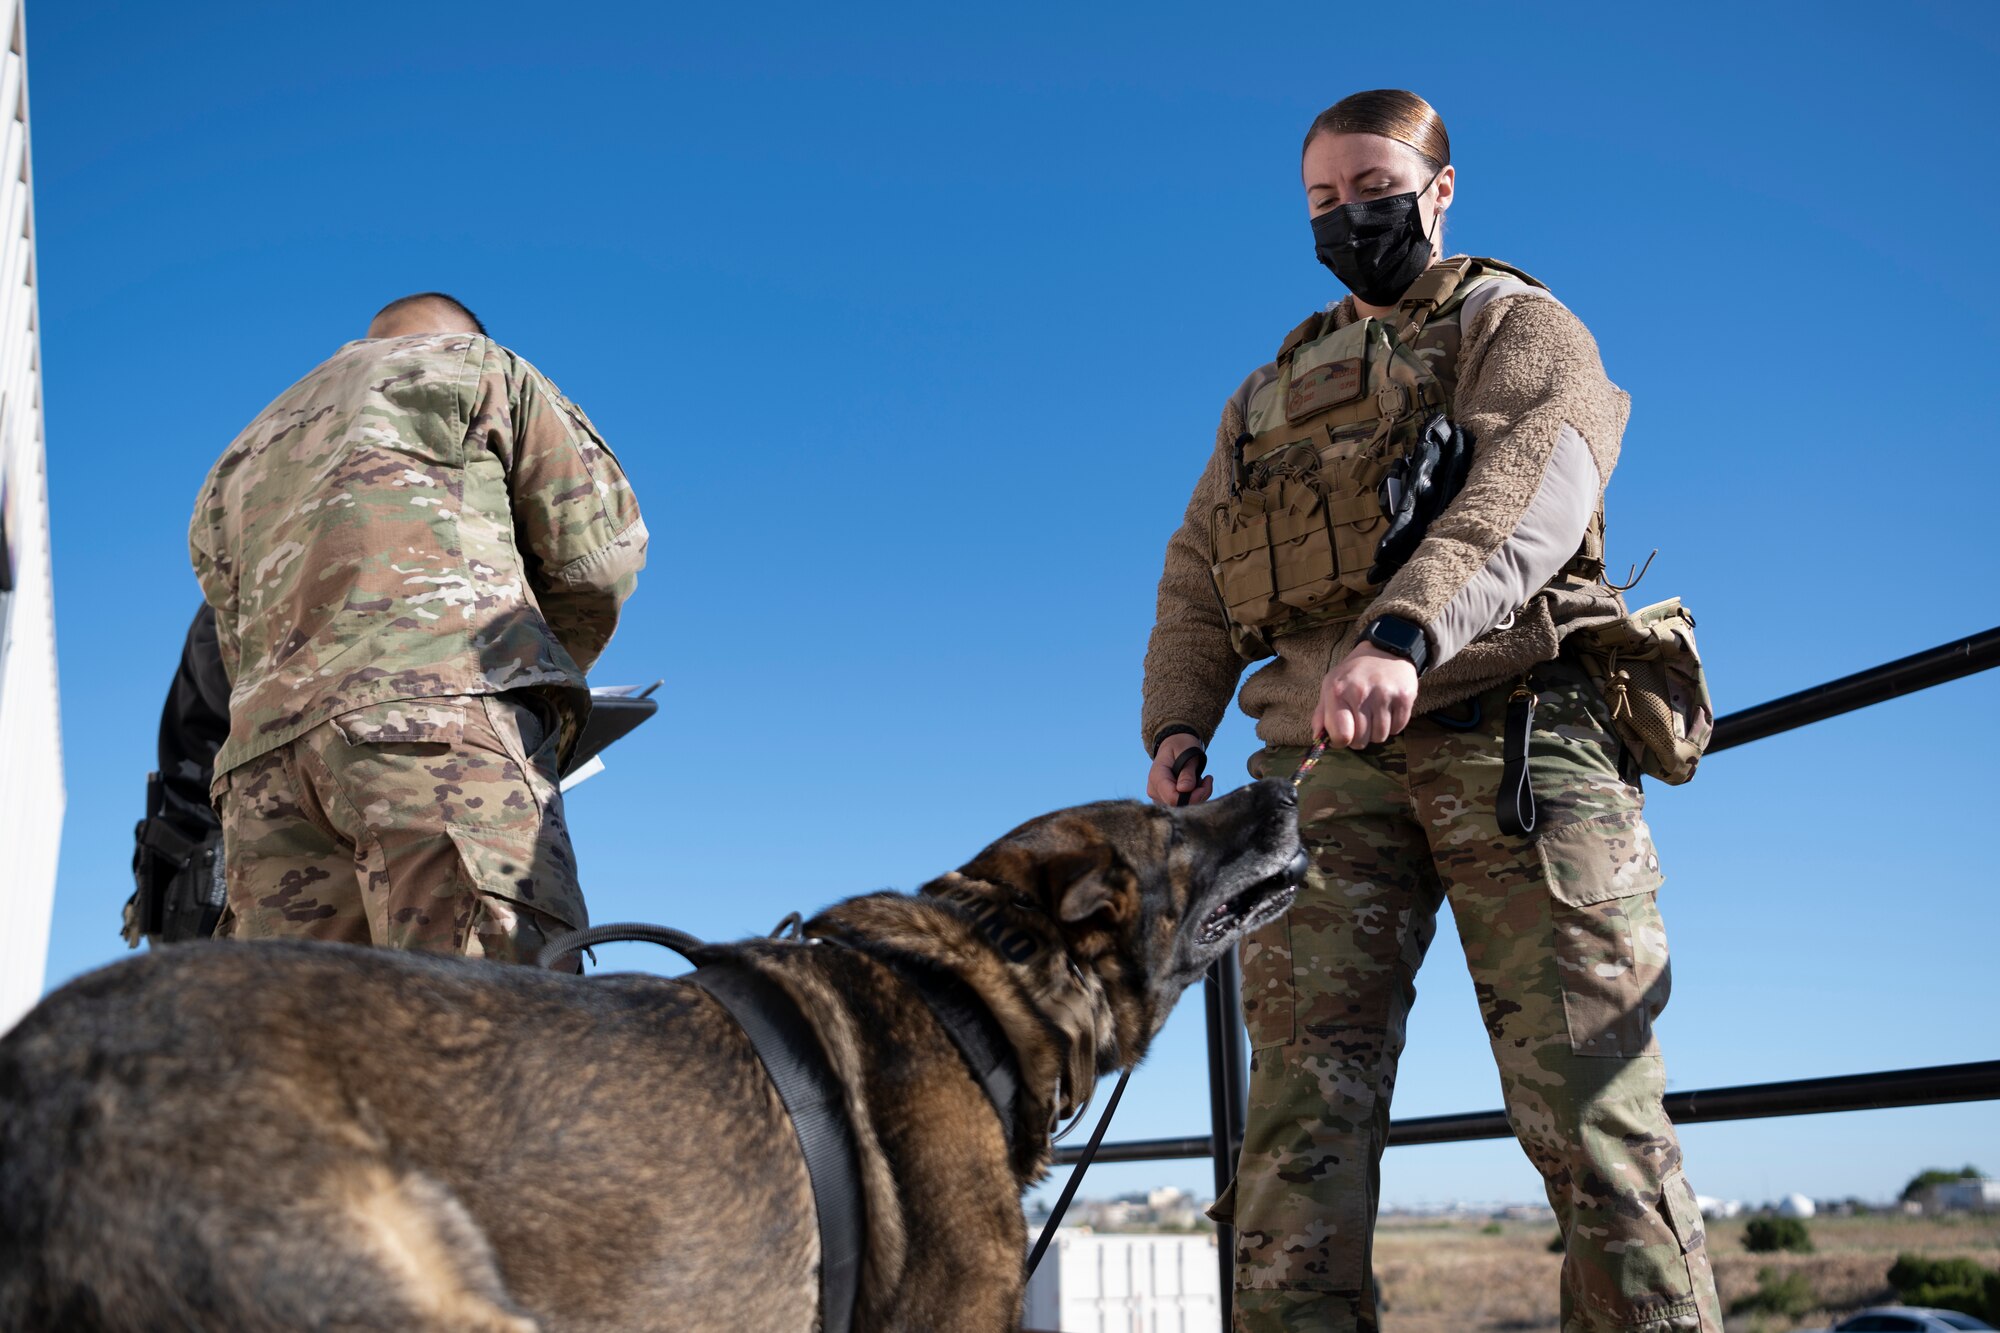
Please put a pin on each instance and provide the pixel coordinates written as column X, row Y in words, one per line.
column 1398, row 637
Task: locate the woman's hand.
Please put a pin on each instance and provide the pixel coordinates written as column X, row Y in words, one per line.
column 1366, row 699
column 1163, row 786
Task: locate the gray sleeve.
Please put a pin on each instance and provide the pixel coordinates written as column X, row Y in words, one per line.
column 1549, row 533
column 1486, row 293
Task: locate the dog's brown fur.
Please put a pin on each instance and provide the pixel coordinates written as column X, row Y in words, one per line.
column 297, row 1136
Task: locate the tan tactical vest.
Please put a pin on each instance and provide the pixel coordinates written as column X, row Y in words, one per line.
column 1292, row 542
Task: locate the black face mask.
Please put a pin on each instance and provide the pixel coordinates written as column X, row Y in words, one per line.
column 1377, row 247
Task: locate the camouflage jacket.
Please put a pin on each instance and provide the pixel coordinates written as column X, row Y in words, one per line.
column 417, row 517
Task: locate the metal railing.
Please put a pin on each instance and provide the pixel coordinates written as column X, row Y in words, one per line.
column 1228, row 1082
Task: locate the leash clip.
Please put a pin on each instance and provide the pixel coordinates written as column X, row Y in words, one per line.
column 1311, row 761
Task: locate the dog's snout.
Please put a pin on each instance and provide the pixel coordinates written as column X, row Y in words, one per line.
column 1280, row 792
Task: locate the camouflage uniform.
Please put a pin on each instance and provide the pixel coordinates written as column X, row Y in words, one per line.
column 414, row 555
column 1569, row 960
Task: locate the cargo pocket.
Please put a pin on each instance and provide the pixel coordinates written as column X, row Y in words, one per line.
column 1610, row 948
column 526, row 867
column 1269, row 987
column 1683, row 1215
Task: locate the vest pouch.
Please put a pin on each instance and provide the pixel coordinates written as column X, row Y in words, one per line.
column 1302, row 557
column 1358, row 525
column 1649, row 671
column 1243, row 571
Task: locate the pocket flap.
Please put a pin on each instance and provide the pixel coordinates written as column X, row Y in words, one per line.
column 523, row 866
column 1683, row 1212
column 403, row 721
column 1596, row 860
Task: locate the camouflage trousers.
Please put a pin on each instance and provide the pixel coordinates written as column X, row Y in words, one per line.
column 422, row 824
column 1569, row 961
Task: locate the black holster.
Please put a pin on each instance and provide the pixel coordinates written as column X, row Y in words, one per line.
column 178, row 891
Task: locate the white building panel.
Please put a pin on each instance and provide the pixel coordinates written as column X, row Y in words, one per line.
column 31, row 770
column 1125, row 1284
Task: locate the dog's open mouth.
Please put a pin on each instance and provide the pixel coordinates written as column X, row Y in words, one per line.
column 1251, row 907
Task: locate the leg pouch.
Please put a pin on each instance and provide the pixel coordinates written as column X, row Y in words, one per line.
column 1609, row 945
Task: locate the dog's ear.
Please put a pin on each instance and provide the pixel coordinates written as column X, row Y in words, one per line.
column 1071, row 884
column 1008, row 866
column 1084, row 883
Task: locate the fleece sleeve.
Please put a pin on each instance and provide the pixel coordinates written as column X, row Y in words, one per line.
column 1546, row 425
column 1191, row 666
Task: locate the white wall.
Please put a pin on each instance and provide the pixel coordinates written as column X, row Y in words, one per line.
column 1138, row 1283
column 31, row 772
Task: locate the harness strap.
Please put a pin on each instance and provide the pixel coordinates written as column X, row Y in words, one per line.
column 970, row 1024
column 799, row 1069
column 806, row 1084
column 1515, row 807
column 1431, row 290
column 1307, row 329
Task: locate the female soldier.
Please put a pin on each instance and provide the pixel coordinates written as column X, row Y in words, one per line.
column 1413, row 671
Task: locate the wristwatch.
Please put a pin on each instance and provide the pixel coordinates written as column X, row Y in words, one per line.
column 1393, row 634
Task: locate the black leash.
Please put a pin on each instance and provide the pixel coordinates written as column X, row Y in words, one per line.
column 1076, row 1176
column 806, row 1084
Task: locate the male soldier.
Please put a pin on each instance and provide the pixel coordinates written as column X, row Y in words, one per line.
column 414, row 555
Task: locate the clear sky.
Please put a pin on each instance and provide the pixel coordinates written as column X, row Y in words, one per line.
column 911, row 327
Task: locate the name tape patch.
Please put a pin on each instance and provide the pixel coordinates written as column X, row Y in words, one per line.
column 1325, row 386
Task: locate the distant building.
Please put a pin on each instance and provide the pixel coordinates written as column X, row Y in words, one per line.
column 1961, row 1196
column 1165, row 1209
column 1718, row 1208
column 1796, row 1205
column 31, row 764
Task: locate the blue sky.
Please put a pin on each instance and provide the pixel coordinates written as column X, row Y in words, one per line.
column 911, row 326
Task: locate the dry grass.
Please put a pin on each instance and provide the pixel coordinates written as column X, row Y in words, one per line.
column 1452, row 1277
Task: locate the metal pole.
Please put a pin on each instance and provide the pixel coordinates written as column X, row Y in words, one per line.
column 1222, row 994
column 1933, row 1085
column 1907, row 675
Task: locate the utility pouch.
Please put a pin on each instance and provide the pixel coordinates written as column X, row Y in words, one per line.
column 178, row 889
column 1302, row 559
column 1241, row 540
column 1648, row 670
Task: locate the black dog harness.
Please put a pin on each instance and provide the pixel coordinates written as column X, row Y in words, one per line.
column 798, row 1067
column 797, row 1064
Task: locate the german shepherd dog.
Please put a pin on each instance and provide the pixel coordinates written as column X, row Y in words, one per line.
column 290, row 1136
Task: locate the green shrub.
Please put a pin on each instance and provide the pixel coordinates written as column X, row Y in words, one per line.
column 1948, row 1284
column 1556, row 1245
column 1788, row 1294
column 1923, row 1180
column 1491, row 1229
column 1768, row 1235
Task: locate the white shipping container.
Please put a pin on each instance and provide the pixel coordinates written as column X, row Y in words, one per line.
column 31, row 767
column 1089, row 1283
